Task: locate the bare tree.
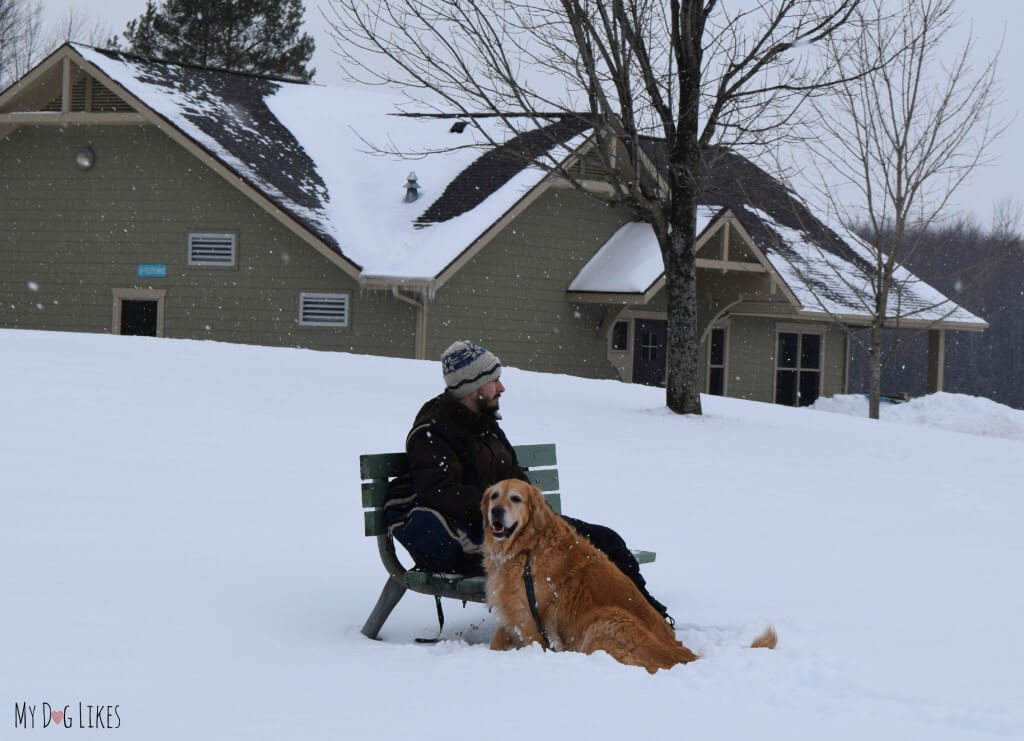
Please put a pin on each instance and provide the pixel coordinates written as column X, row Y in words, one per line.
column 78, row 25
column 687, row 73
column 20, row 38
column 897, row 141
column 23, row 42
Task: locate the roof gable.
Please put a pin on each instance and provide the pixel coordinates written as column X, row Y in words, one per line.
column 226, row 114
column 827, row 270
column 60, row 91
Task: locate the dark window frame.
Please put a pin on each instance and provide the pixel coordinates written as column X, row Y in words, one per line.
column 799, row 366
column 717, row 365
column 620, row 336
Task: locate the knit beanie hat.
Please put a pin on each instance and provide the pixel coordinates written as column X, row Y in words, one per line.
column 467, row 367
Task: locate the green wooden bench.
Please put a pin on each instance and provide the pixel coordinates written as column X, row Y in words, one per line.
column 377, row 470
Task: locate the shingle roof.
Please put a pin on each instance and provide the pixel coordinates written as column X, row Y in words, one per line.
column 497, row 165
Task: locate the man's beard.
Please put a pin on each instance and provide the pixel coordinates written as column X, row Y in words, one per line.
column 488, row 408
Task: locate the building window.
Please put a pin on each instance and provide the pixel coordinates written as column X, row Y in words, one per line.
column 208, row 249
column 648, row 344
column 798, row 369
column 716, row 362
column 323, row 309
column 620, row 336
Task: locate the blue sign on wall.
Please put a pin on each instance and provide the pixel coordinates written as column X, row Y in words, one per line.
column 152, row 270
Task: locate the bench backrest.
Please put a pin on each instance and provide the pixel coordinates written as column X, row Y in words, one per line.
column 377, row 470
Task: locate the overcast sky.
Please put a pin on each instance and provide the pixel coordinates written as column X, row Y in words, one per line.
column 989, row 18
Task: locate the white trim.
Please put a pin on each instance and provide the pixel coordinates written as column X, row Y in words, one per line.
column 317, row 309
column 138, row 294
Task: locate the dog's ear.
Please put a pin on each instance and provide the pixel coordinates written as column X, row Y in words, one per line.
column 538, row 507
column 485, row 502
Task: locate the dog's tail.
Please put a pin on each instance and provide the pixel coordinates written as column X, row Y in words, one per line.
column 768, row 639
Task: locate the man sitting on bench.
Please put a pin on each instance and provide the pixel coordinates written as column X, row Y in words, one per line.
column 456, row 450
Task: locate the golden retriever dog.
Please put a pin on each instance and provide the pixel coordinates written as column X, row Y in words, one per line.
column 581, row 600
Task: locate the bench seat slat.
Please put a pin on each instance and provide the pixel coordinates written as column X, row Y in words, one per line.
column 473, row 587
column 383, row 465
column 389, row 465
column 536, row 455
column 555, row 500
column 375, row 493
column 374, row 522
column 644, row 556
column 545, row 479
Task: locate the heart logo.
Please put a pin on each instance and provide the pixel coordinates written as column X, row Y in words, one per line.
column 58, row 716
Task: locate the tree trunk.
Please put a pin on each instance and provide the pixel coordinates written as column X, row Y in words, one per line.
column 875, row 368
column 682, row 394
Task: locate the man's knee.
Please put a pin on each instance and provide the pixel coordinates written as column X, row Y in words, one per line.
column 610, row 543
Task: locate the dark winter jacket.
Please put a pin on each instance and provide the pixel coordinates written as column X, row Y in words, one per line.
column 454, row 454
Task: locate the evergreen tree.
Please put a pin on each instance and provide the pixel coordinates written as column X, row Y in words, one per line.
column 261, row 36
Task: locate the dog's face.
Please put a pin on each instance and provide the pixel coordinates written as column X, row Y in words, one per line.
column 507, row 508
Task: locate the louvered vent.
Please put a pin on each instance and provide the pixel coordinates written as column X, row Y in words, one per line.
column 105, row 101
column 323, row 309
column 590, row 167
column 211, row 249
column 97, row 99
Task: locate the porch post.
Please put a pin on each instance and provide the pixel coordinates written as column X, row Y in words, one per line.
column 421, row 329
column 936, row 359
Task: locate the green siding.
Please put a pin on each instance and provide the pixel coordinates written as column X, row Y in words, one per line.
column 750, row 367
column 68, row 237
column 512, row 295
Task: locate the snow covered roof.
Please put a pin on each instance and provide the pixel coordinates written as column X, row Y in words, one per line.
column 827, row 269
column 630, row 261
column 315, row 151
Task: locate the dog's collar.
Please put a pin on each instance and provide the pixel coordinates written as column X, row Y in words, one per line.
column 531, row 600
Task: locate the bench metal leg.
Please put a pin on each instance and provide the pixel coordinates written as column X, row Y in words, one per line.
column 389, row 597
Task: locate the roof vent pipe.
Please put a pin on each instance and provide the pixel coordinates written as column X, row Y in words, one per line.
column 412, row 188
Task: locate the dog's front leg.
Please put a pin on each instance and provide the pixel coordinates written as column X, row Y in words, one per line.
column 503, row 639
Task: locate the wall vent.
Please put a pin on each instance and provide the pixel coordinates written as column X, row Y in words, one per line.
column 323, row 309
column 89, row 95
column 211, row 249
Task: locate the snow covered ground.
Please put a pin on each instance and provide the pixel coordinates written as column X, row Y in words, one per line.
column 181, row 550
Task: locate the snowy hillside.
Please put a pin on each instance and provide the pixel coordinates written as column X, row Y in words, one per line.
column 181, row 554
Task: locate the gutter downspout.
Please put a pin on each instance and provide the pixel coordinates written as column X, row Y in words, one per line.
column 420, row 345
